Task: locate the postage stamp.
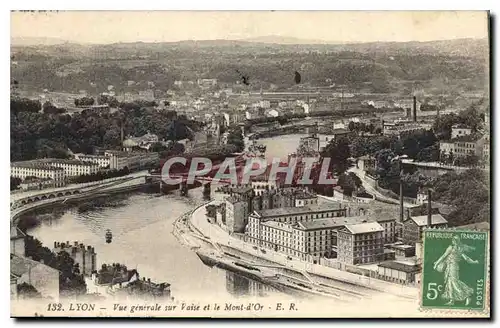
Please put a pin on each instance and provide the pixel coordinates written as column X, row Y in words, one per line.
column 454, row 273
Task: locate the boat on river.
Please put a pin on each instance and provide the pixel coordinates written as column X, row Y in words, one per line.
column 109, row 236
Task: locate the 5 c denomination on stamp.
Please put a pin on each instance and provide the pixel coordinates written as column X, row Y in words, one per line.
column 454, row 274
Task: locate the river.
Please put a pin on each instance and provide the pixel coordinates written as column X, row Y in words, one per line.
column 142, row 236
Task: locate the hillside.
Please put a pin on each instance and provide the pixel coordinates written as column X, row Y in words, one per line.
column 381, row 67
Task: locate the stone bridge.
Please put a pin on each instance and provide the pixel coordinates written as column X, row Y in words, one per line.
column 48, row 195
column 69, row 191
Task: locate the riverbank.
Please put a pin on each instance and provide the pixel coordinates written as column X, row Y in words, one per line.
column 329, row 276
column 100, row 191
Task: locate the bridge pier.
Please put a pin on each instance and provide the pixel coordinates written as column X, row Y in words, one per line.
column 183, row 188
column 207, row 190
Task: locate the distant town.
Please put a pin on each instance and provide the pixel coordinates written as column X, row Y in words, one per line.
column 401, row 162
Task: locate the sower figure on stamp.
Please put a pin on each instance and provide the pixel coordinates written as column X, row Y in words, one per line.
column 454, row 288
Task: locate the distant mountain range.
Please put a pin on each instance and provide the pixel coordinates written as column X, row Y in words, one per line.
column 269, row 39
column 276, row 39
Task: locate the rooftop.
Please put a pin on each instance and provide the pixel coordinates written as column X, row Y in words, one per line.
column 421, row 220
column 364, row 227
column 330, row 223
column 467, row 138
column 36, row 165
column 395, row 265
column 298, row 210
column 460, row 126
column 278, row 225
column 49, row 162
column 20, row 265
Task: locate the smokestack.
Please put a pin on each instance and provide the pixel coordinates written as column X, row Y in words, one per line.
column 414, row 109
column 429, row 208
column 401, row 203
column 121, row 132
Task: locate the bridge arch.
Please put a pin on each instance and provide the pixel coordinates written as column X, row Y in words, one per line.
column 67, row 193
column 60, row 194
column 52, row 196
column 44, row 197
column 23, row 202
column 36, row 199
column 30, row 200
column 76, row 192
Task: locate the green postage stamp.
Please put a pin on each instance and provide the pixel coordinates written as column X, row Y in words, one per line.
column 455, row 270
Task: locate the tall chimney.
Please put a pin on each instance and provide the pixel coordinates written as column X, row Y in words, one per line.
column 414, row 108
column 401, row 203
column 429, row 208
column 121, row 132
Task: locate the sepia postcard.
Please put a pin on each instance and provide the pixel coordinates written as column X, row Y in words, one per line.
column 251, row 164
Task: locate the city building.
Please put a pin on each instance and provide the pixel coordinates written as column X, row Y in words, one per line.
column 237, row 210
column 460, row 130
column 360, row 243
column 54, row 168
column 407, row 104
column 465, row 145
column 33, row 183
column 42, row 277
column 119, row 280
column 73, row 167
column 390, row 231
column 85, row 257
column 413, row 226
column 143, row 142
column 304, row 198
column 40, row 170
column 272, row 113
column 17, row 242
column 366, row 163
column 207, row 82
column 147, row 95
column 292, row 215
column 131, row 160
column 399, row 272
column 101, row 160
column 398, row 127
column 486, row 151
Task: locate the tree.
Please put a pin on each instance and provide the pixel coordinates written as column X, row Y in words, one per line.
column 429, row 154
column 235, row 138
column 84, row 101
column 27, row 291
column 48, row 108
column 14, row 183
column 24, row 105
column 349, row 183
column 338, row 151
column 157, row 147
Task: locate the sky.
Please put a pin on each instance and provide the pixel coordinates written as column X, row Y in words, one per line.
column 328, row 26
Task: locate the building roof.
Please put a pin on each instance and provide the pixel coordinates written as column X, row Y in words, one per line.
column 303, row 194
column 21, row 265
column 234, row 200
column 460, row 126
column 421, row 220
column 395, row 265
column 340, row 131
column 364, row 227
column 278, row 225
column 297, row 210
column 329, row 223
column 36, row 165
column 467, row 138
